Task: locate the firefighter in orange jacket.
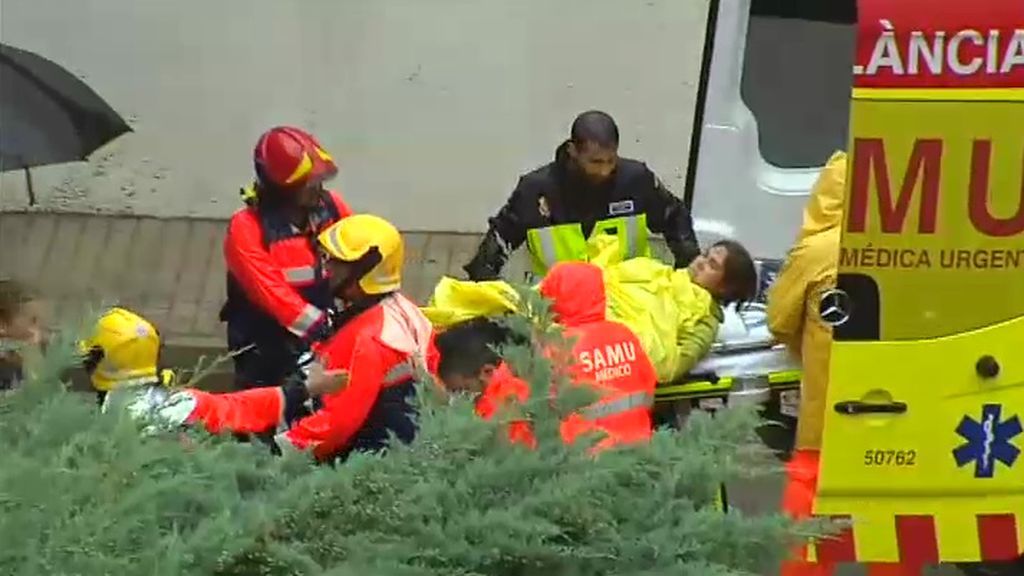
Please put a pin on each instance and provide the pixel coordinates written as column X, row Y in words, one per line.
column 277, row 292
column 605, row 355
column 364, row 255
column 381, row 341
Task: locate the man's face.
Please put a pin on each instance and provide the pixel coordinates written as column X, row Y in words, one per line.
column 338, row 275
column 708, row 270
column 308, row 197
column 470, row 384
column 596, row 163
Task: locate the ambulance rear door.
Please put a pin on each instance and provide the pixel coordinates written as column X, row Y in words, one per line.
column 923, row 431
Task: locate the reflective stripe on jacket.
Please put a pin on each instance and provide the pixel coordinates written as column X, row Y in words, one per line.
column 567, row 243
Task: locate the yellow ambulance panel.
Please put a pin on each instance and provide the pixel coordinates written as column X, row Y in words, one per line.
column 923, row 431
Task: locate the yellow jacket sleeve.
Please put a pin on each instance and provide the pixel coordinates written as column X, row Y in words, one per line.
column 787, row 299
column 694, row 344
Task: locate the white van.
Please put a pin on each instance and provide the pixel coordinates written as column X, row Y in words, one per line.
column 773, row 104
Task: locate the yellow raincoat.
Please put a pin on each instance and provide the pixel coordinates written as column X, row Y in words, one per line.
column 810, row 269
column 675, row 320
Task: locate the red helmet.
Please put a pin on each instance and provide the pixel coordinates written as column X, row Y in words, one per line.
column 287, row 157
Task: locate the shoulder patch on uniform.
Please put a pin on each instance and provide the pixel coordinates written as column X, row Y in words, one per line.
column 543, row 208
column 620, row 208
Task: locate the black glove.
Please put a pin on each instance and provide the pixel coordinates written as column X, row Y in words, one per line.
column 297, row 403
column 489, row 260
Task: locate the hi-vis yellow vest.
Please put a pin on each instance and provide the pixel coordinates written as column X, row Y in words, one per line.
column 566, row 242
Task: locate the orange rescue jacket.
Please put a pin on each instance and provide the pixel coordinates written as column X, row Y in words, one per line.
column 606, row 355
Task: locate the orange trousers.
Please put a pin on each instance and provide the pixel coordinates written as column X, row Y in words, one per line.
column 798, row 502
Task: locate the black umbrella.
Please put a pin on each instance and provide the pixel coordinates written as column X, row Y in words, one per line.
column 47, row 115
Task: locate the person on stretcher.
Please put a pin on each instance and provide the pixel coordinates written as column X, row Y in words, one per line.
column 677, row 324
column 674, row 313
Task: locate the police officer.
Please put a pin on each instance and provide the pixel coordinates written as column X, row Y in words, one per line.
column 587, row 190
column 277, row 292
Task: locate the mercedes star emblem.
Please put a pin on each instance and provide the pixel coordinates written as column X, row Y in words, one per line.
column 835, row 307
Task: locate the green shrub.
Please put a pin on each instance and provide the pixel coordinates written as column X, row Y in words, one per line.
column 83, row 493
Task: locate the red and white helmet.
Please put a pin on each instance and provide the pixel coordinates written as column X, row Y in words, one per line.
column 287, row 157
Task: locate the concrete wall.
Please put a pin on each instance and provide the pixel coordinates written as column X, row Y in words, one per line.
column 433, row 107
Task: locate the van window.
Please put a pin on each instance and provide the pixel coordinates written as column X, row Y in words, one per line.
column 797, row 76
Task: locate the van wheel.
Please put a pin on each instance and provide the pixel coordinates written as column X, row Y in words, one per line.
column 993, row 569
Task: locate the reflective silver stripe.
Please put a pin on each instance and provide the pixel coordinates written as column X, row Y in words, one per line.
column 619, row 405
column 400, row 372
column 300, row 274
column 309, row 316
column 548, row 254
column 505, row 248
column 632, row 224
column 335, row 246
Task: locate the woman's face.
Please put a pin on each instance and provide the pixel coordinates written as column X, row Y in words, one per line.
column 708, row 270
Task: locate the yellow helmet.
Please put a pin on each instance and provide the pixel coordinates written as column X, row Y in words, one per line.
column 356, row 238
column 123, row 350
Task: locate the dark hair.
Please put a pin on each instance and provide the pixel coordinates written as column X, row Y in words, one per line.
column 595, row 127
column 467, row 347
column 13, row 297
column 739, row 275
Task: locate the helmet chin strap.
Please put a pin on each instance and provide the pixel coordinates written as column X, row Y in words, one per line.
column 355, row 308
column 358, row 270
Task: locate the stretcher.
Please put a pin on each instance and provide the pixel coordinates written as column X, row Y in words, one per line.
column 745, row 364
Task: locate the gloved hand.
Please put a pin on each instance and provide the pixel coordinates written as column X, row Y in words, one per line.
column 320, row 331
column 310, row 381
column 489, row 259
column 320, row 381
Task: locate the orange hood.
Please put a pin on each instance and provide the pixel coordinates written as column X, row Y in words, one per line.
column 576, row 291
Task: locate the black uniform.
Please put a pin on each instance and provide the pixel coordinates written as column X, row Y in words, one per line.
column 556, row 194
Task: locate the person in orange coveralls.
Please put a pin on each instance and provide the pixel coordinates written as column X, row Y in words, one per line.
column 381, row 341
column 605, row 355
column 122, row 358
column 469, row 363
column 364, row 255
column 608, row 357
column 793, row 317
column 277, row 292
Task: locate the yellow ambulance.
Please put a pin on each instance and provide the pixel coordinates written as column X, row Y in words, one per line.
column 923, row 436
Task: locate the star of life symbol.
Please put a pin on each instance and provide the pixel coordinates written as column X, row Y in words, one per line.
column 988, row 441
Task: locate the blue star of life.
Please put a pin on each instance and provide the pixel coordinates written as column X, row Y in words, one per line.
column 988, row 441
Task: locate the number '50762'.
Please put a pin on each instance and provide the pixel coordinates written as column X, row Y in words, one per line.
column 890, row 457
